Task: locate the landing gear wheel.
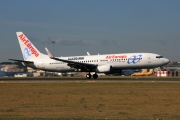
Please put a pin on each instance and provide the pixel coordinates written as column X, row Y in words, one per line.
column 95, row 76
column 88, row 76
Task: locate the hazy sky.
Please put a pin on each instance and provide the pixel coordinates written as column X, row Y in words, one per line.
column 95, row 26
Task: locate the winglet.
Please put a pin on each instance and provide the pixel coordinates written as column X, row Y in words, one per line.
column 88, row 53
column 49, row 53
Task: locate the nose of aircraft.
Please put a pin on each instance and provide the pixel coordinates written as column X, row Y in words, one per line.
column 166, row 61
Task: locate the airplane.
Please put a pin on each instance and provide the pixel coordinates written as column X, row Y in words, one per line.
column 104, row 63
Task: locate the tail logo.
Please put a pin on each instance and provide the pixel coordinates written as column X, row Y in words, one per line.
column 29, row 50
column 27, row 53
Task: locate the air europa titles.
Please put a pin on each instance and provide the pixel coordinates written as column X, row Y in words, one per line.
column 116, row 56
column 28, row 44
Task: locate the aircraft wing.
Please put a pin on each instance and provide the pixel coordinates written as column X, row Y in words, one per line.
column 22, row 61
column 74, row 64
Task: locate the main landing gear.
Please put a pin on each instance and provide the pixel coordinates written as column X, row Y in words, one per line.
column 95, row 76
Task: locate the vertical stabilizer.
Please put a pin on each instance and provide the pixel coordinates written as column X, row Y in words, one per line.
column 29, row 51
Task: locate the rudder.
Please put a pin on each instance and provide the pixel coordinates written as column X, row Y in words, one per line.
column 29, row 51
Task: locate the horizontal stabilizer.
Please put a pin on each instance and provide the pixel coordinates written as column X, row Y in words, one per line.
column 21, row 61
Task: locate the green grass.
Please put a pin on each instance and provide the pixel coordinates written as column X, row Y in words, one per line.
column 87, row 101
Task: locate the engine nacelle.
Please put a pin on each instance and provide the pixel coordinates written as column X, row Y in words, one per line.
column 103, row 68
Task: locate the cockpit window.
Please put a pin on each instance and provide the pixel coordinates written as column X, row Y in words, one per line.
column 159, row 56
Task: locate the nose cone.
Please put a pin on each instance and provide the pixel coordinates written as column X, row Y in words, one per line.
column 166, row 61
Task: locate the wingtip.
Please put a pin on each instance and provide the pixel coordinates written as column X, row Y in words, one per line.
column 46, row 49
column 49, row 53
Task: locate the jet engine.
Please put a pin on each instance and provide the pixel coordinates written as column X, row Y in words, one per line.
column 103, row 68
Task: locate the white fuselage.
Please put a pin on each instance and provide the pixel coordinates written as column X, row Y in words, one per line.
column 117, row 61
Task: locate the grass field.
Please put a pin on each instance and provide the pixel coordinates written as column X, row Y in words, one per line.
column 86, row 101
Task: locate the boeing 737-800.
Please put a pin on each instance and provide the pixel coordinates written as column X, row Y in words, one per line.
column 105, row 63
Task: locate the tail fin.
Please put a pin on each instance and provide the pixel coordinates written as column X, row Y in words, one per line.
column 29, row 51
